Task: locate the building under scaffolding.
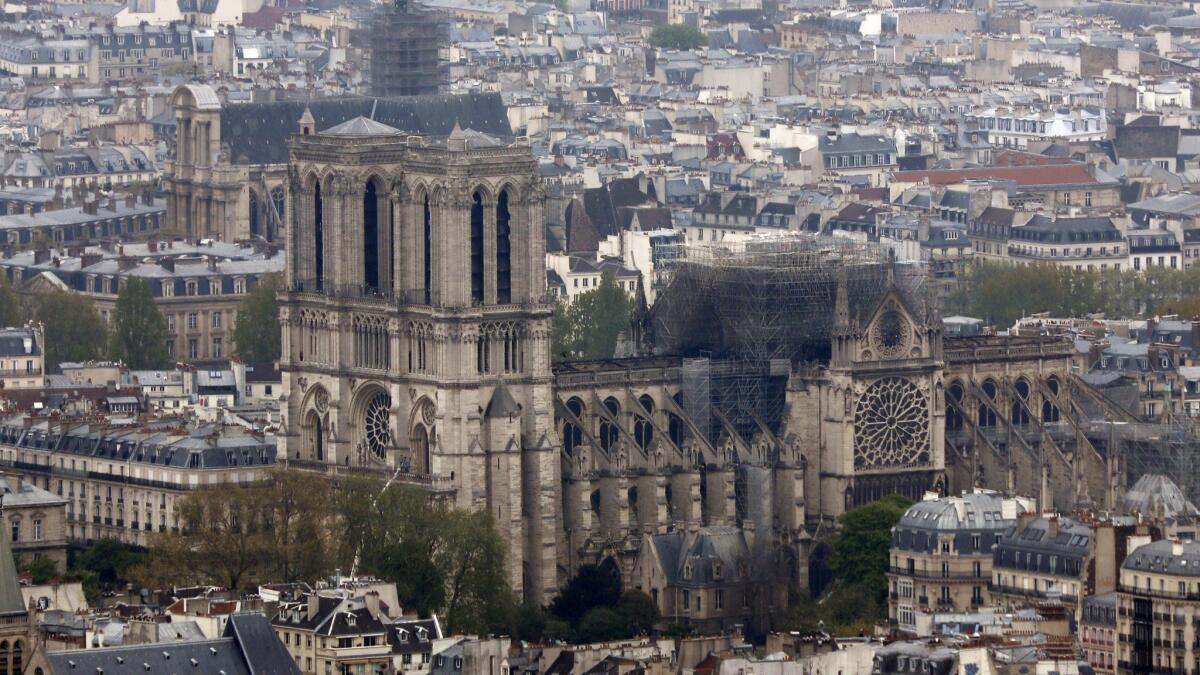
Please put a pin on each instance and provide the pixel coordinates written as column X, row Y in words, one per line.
column 404, row 51
column 742, row 313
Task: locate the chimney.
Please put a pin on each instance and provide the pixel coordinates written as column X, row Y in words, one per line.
column 1052, row 526
column 1151, row 326
column 130, row 200
column 42, row 255
column 168, row 264
column 372, row 598
column 152, row 245
column 148, row 198
column 88, row 259
column 314, row 605
column 112, row 203
column 126, row 263
column 212, row 263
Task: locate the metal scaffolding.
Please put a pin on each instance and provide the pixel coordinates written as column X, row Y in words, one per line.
column 755, row 306
column 404, row 51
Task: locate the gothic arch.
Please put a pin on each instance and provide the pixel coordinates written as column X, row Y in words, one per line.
column 255, row 213
column 1021, row 403
column 314, row 422
column 572, row 435
column 643, row 428
column 377, row 237
column 480, row 203
column 954, row 392
column 987, row 413
column 422, row 426
column 503, row 219
column 372, row 424
column 485, row 191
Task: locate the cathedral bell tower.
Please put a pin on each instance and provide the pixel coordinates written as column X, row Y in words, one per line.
column 416, row 329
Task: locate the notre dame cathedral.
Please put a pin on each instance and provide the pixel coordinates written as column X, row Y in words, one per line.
column 417, row 343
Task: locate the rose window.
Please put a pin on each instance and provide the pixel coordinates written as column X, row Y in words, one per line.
column 891, row 335
column 378, row 432
column 891, row 425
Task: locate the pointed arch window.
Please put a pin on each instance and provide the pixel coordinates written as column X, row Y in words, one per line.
column 370, row 237
column 477, row 248
column 427, row 266
column 503, row 251
column 318, row 237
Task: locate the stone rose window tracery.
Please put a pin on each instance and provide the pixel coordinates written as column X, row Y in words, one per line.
column 378, row 432
column 891, row 425
column 891, row 335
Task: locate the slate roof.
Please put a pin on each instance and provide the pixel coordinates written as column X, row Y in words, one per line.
column 961, row 517
column 249, row 647
column 1166, row 557
column 12, row 342
column 360, row 126
column 257, row 133
column 502, row 403
column 1146, row 142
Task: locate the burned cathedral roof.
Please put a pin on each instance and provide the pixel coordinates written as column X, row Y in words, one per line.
column 257, row 133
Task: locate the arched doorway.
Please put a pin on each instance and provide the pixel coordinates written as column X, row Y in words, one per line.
column 315, row 430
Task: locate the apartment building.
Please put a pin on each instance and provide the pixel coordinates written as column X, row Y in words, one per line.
column 941, row 554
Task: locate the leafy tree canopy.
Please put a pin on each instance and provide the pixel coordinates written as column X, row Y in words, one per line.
column 592, row 586
column 861, row 544
column 588, row 328
column 256, row 331
column 139, row 337
column 1003, row 293
column 74, row 330
column 10, row 306
column 600, row 624
column 677, row 36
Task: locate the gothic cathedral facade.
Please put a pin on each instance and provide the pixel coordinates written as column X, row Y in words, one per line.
column 416, row 329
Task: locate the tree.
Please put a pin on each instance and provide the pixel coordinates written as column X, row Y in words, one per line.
column 256, row 332
column 861, row 544
column 299, row 544
column 600, row 624
column 441, row 559
column 592, row 586
column 589, row 328
column 677, row 36
column 638, row 611
column 139, row 328
column 536, row 626
column 1187, row 307
column 223, row 536
column 10, row 306
column 110, row 560
column 40, row 568
column 74, row 331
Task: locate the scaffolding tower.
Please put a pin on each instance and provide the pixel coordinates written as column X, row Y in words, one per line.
column 404, row 51
column 756, row 306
